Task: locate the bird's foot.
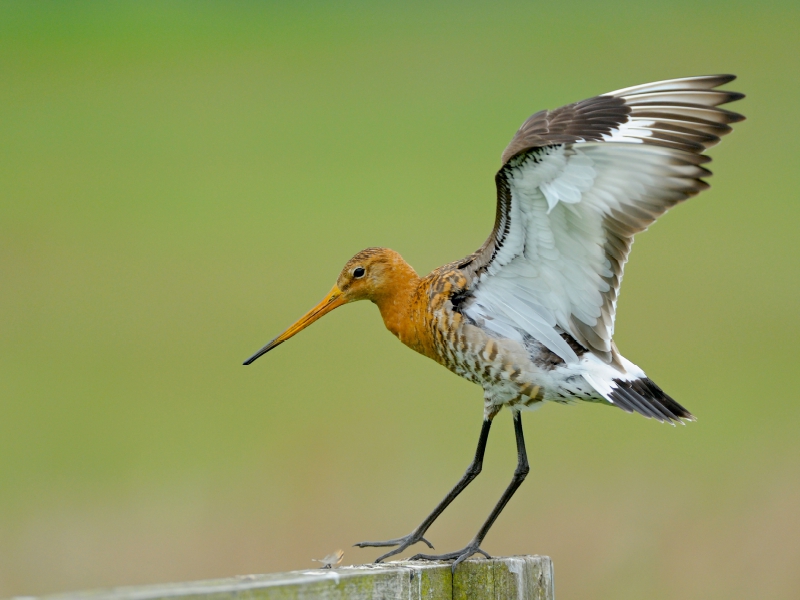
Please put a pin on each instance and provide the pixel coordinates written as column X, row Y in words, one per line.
column 458, row 555
column 402, row 543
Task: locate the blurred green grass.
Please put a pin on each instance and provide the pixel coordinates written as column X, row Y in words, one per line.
column 181, row 181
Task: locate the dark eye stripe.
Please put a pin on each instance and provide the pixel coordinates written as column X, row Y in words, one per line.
column 359, row 272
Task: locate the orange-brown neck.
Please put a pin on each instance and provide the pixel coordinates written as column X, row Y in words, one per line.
column 395, row 300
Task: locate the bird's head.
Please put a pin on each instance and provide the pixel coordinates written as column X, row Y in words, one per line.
column 373, row 274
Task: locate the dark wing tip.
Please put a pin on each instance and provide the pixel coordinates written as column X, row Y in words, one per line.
column 734, row 96
column 734, row 117
column 724, row 78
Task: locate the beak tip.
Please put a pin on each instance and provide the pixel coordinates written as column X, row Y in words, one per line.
column 263, row 351
column 253, row 358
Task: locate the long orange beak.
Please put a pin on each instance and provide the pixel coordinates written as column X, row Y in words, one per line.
column 334, row 299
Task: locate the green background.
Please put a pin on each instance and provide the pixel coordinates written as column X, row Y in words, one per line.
column 181, row 181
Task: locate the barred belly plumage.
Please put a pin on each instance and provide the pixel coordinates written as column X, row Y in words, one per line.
column 520, row 376
column 502, row 367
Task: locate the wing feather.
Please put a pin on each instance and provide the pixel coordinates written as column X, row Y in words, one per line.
column 577, row 184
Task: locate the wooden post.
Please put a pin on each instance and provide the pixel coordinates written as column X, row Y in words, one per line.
column 513, row 577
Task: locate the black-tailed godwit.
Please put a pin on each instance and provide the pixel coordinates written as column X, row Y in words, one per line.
column 529, row 316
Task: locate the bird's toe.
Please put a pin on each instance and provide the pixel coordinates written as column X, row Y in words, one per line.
column 457, row 557
column 401, row 543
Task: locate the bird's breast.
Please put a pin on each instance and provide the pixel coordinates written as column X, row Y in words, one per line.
column 503, row 367
column 509, row 371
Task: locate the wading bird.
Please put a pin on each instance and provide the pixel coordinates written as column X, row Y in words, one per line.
column 529, row 316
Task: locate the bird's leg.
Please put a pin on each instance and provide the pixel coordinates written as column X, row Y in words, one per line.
column 519, row 476
column 417, row 535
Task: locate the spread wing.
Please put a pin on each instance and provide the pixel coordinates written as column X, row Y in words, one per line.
column 577, row 184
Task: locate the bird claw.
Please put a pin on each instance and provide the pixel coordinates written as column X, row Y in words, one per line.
column 401, row 543
column 459, row 555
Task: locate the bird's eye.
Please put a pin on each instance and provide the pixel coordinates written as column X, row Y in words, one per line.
column 358, row 273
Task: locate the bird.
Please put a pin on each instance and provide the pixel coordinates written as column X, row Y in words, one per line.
column 529, row 316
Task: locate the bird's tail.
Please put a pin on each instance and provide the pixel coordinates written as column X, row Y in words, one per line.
column 633, row 391
column 646, row 398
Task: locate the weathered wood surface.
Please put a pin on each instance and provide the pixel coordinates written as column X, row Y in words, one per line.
column 514, row 577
